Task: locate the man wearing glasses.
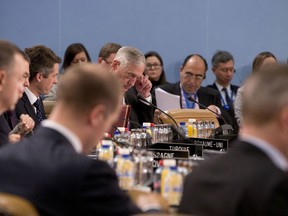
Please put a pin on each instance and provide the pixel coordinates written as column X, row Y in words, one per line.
column 192, row 73
column 107, row 53
column 129, row 65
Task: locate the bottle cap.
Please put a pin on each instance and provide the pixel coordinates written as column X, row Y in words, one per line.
column 146, row 124
column 124, row 151
column 116, row 132
column 191, row 120
column 107, row 143
column 122, row 129
column 182, row 123
column 169, row 163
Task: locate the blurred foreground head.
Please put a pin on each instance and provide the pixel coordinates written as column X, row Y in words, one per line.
column 266, row 96
column 265, row 105
column 88, row 97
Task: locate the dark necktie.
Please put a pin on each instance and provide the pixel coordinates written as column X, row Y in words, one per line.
column 12, row 119
column 227, row 98
column 39, row 112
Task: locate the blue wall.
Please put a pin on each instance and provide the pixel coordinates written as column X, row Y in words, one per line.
column 174, row 28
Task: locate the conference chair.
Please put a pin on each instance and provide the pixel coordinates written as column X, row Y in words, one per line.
column 182, row 115
column 48, row 107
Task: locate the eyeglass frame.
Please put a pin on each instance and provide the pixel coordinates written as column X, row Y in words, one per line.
column 105, row 60
column 189, row 75
column 155, row 66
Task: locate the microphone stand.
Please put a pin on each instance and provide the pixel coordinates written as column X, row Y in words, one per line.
column 175, row 127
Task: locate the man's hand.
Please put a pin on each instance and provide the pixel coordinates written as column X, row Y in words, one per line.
column 143, row 86
column 13, row 138
column 215, row 109
column 27, row 123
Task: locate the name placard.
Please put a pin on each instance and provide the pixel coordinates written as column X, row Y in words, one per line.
column 207, row 143
column 168, row 154
column 192, row 149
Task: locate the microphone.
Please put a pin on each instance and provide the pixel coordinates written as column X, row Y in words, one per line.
column 175, row 128
column 226, row 129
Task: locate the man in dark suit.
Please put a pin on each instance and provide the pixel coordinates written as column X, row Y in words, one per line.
column 49, row 168
column 129, row 64
column 252, row 178
column 192, row 73
column 44, row 68
column 14, row 73
column 223, row 69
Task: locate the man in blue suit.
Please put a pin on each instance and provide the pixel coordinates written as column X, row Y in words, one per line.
column 49, row 168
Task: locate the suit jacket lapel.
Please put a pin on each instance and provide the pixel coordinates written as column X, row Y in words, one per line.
column 202, row 98
column 29, row 107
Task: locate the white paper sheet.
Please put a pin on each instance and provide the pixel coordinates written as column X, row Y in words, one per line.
column 167, row 101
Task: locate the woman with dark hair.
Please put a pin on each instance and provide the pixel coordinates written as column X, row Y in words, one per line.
column 155, row 69
column 261, row 60
column 75, row 53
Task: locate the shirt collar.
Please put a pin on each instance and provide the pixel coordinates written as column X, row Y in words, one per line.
column 274, row 154
column 69, row 135
column 220, row 87
column 32, row 98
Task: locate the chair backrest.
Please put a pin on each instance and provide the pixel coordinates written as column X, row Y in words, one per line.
column 13, row 205
column 182, row 115
column 123, row 118
column 48, row 107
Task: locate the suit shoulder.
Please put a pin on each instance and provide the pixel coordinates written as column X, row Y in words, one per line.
column 168, row 86
column 208, row 90
column 235, row 87
column 212, row 86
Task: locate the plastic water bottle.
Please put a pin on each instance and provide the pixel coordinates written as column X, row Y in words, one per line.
column 106, row 152
column 173, row 186
column 157, row 178
column 167, row 163
column 125, row 170
column 183, row 126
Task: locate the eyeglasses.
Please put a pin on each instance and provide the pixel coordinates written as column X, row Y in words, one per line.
column 77, row 61
column 226, row 70
column 132, row 76
column 153, row 66
column 197, row 77
column 109, row 63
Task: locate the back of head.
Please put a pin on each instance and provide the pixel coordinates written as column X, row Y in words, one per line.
column 265, row 95
column 221, row 57
column 131, row 55
column 260, row 58
column 84, row 86
column 7, row 53
column 71, row 51
column 42, row 60
column 107, row 49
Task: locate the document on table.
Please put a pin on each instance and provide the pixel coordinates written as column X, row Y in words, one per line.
column 167, row 101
